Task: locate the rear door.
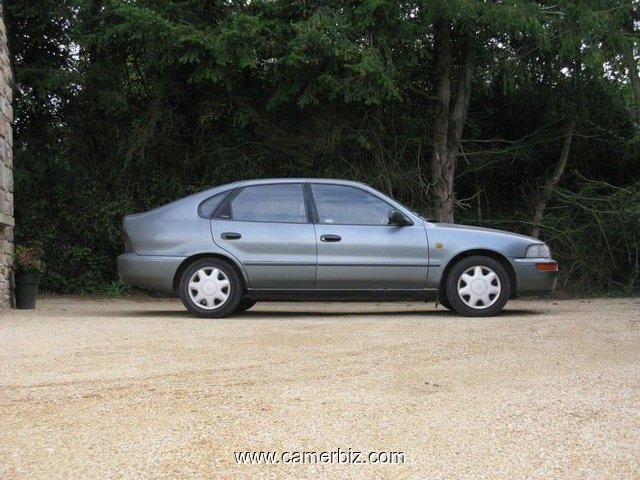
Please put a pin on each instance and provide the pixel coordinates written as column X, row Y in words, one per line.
column 267, row 228
column 358, row 249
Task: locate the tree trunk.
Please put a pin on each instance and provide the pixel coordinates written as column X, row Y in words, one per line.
column 439, row 161
column 449, row 124
column 632, row 66
column 552, row 181
column 456, row 127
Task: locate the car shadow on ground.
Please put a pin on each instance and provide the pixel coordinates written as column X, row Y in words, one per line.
column 258, row 314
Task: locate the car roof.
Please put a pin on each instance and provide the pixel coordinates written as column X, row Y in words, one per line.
column 263, row 181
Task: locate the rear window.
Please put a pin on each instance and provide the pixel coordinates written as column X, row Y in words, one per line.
column 206, row 208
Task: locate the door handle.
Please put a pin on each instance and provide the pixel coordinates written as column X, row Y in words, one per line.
column 330, row 238
column 231, row 236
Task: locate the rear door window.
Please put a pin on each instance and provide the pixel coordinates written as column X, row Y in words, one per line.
column 282, row 203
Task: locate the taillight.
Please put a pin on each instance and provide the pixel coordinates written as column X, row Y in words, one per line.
column 125, row 240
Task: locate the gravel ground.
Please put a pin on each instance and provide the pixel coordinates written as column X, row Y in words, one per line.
column 136, row 388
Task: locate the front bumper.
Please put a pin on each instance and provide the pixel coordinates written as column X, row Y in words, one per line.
column 149, row 272
column 531, row 280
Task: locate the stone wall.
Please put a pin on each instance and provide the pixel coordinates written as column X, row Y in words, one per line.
column 6, row 166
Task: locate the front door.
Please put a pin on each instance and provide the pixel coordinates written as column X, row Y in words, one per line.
column 358, row 249
column 267, row 228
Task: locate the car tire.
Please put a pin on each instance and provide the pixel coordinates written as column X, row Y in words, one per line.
column 244, row 305
column 444, row 301
column 478, row 286
column 210, row 288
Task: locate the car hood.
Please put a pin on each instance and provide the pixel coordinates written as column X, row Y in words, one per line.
column 491, row 231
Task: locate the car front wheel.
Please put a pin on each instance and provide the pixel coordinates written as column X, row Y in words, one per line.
column 444, row 301
column 478, row 286
column 244, row 305
column 210, row 288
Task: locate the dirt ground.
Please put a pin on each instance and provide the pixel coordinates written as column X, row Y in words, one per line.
column 137, row 388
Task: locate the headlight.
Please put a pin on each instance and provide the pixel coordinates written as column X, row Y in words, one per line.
column 538, row 251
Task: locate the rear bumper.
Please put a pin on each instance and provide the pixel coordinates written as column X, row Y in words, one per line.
column 530, row 280
column 149, row 272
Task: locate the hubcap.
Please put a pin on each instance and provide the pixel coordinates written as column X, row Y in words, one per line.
column 209, row 288
column 479, row 287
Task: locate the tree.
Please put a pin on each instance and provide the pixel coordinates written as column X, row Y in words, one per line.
column 434, row 102
column 39, row 39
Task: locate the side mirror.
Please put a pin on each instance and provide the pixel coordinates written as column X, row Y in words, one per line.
column 398, row 218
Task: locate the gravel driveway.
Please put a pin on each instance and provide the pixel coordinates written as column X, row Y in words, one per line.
column 136, row 388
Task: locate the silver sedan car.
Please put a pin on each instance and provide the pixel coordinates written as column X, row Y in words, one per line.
column 223, row 249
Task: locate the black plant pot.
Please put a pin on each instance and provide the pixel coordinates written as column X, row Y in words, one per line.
column 26, row 290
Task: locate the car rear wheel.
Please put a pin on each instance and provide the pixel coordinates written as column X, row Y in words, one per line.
column 210, row 288
column 244, row 305
column 478, row 286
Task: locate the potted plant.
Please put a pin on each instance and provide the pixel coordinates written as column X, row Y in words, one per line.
column 29, row 267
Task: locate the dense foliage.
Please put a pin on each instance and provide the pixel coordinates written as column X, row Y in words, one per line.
column 508, row 113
